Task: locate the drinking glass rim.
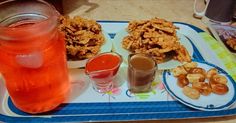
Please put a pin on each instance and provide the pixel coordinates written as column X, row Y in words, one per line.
column 53, row 13
column 100, row 54
column 146, row 55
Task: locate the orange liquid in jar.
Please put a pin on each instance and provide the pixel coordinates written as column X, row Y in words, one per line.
column 40, row 89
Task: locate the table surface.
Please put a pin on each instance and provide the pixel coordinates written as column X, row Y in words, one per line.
column 119, row 10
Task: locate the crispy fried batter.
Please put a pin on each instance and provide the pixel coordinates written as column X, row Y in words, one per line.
column 232, row 43
column 156, row 37
column 83, row 37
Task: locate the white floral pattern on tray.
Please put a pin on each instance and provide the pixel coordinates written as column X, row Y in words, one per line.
column 212, row 102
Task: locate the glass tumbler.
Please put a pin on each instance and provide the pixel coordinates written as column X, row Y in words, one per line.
column 102, row 70
column 32, row 55
column 141, row 72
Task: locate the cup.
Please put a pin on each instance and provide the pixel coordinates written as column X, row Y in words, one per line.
column 33, row 59
column 102, row 70
column 141, row 72
column 219, row 11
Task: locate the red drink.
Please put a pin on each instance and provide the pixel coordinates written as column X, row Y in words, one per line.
column 102, row 70
column 33, row 63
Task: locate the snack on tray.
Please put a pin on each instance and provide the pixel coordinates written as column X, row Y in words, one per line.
column 232, row 43
column 155, row 37
column 182, row 81
column 179, row 71
column 211, row 73
column 219, row 88
column 83, row 37
column 195, row 80
column 226, row 34
column 191, row 92
column 203, row 87
column 192, row 78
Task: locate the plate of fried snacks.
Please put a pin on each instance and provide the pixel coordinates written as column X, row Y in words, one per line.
column 84, row 39
column 157, row 38
column 226, row 34
column 201, row 85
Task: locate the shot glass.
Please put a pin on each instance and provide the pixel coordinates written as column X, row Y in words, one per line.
column 102, row 70
column 141, row 72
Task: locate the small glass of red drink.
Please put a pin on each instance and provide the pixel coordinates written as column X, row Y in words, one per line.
column 102, row 70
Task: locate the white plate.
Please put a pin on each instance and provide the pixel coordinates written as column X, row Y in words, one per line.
column 165, row 65
column 105, row 48
column 212, row 102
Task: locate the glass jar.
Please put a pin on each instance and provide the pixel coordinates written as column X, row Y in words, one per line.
column 32, row 55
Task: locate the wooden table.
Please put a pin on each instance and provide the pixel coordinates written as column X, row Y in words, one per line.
column 172, row 10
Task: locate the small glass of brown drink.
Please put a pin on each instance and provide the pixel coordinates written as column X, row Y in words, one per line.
column 141, row 72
